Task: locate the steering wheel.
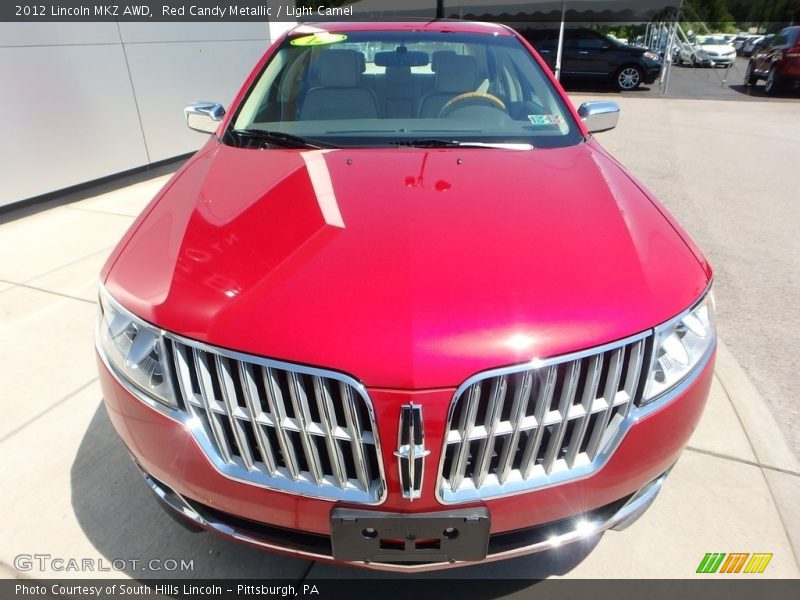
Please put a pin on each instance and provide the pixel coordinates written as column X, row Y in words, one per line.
column 480, row 96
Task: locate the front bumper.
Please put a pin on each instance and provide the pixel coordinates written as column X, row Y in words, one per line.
column 622, row 488
column 651, row 72
column 549, row 536
column 722, row 62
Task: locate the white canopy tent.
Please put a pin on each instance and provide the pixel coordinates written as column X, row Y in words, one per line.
column 562, row 11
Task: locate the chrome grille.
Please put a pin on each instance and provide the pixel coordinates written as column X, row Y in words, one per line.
column 279, row 425
column 531, row 426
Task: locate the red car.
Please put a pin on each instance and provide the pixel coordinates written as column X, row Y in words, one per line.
column 778, row 63
column 403, row 311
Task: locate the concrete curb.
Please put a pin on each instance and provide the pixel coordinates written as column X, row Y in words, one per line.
column 778, row 463
column 769, row 445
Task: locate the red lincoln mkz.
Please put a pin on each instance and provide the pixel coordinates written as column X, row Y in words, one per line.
column 402, row 310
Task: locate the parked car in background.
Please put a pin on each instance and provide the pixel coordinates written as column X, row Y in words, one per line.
column 589, row 55
column 716, row 50
column 739, row 41
column 405, row 313
column 778, row 64
column 761, row 44
column 688, row 54
column 750, row 44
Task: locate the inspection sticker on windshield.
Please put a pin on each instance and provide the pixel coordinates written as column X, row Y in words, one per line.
column 544, row 119
column 318, row 39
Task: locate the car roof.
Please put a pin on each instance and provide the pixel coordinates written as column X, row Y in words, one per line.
column 436, row 25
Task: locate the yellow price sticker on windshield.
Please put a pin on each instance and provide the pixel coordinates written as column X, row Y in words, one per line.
column 318, row 39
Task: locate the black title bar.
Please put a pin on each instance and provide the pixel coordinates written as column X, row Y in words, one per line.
column 334, row 10
column 464, row 587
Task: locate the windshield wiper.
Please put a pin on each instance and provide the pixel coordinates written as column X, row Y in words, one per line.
column 427, row 143
column 279, row 138
column 438, row 143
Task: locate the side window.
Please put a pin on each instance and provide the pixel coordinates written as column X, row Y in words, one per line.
column 780, row 39
column 541, row 40
column 589, row 40
column 571, row 38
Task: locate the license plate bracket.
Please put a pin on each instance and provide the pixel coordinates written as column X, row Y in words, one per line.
column 445, row 536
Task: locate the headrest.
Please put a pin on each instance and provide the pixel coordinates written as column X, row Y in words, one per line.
column 437, row 56
column 456, row 73
column 339, row 68
column 399, row 75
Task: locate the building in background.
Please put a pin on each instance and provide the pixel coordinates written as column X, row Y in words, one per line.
column 83, row 101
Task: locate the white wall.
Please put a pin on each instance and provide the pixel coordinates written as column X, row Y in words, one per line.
column 82, row 101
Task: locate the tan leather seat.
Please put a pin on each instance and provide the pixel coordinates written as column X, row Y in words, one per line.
column 339, row 93
column 455, row 74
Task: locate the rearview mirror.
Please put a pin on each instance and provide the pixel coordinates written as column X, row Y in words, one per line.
column 204, row 116
column 599, row 116
column 402, row 58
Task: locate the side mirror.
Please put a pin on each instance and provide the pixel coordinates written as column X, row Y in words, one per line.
column 599, row 116
column 203, row 116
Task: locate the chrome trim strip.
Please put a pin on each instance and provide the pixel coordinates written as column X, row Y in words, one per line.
column 624, row 517
column 235, row 469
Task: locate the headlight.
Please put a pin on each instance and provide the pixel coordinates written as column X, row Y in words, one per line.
column 135, row 350
column 679, row 346
column 651, row 55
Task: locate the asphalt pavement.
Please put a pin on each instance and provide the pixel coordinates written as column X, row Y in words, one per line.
column 697, row 83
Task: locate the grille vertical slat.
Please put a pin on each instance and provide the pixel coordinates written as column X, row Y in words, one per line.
column 276, row 404
column 568, row 392
column 297, row 394
column 521, row 397
column 233, row 411
column 564, row 412
column 253, row 401
column 634, row 371
column 329, row 423
column 498, row 396
column 210, row 403
column 609, row 393
column 587, row 403
column 543, row 398
column 354, row 430
column 466, row 426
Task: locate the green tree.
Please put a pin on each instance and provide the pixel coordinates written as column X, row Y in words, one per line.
column 714, row 13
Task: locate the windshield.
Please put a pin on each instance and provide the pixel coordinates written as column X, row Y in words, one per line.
column 384, row 88
column 712, row 41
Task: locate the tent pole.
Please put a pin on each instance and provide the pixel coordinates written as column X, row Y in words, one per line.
column 561, row 40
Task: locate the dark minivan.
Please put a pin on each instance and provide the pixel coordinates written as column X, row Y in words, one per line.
column 589, row 55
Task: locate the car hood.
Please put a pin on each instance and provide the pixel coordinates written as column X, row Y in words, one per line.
column 406, row 268
column 721, row 49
